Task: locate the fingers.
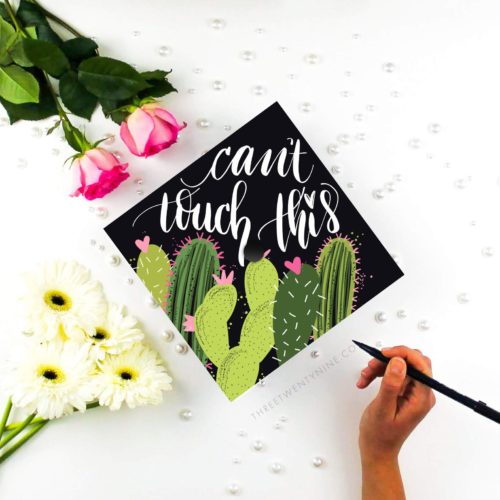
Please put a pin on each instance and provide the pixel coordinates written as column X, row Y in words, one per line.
column 411, row 356
column 374, row 369
column 391, row 387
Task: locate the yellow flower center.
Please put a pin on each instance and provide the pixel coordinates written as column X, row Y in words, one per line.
column 52, row 374
column 127, row 373
column 57, row 300
column 101, row 334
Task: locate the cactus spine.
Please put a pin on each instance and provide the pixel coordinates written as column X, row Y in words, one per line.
column 295, row 310
column 238, row 368
column 197, row 260
column 154, row 270
column 337, row 271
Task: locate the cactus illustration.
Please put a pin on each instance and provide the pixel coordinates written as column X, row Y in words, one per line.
column 296, row 309
column 154, row 270
column 238, row 367
column 196, row 263
column 336, row 266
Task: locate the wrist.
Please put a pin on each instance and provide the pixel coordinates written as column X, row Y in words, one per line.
column 379, row 459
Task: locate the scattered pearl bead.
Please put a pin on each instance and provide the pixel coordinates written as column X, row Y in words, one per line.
column 114, row 260
column 191, row 91
column 164, row 51
column 343, row 139
column 258, row 90
column 236, row 460
column 101, row 212
column 389, row 67
column 380, row 317
column 395, row 94
column 260, row 31
column 305, row 107
column 233, row 489
column 181, row 348
column 311, row 58
column 277, row 425
column 350, row 185
column 22, row 163
column 283, row 418
column 248, row 55
column 378, row 194
column 36, row 132
column 28, row 333
column 414, row 143
column 136, row 33
column 397, row 177
column 129, row 281
column 276, row 467
column 358, row 117
column 423, row 325
column 283, row 49
column 336, row 169
column 168, row 335
column 203, row 123
column 317, row 461
column 360, row 136
column 461, row 183
column 401, row 314
column 217, row 24
column 462, row 298
column 140, row 192
column 186, row 414
column 356, row 36
column 93, row 242
column 242, row 433
column 151, row 302
column 292, row 76
column 102, row 248
column 315, row 354
column 378, row 344
column 138, row 180
column 227, row 127
column 488, row 251
column 332, row 149
column 370, row 108
column 262, row 382
column 347, row 73
column 4, row 121
column 257, row 445
column 55, row 152
column 434, row 128
column 218, row 85
column 197, row 71
column 345, row 93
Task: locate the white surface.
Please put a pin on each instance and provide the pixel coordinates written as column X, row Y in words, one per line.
column 446, row 72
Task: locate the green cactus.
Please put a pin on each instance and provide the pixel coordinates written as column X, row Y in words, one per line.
column 295, row 309
column 154, row 270
column 196, row 261
column 337, row 271
column 238, row 367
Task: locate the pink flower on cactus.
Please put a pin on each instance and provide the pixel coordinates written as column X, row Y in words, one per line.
column 189, row 323
column 149, row 130
column 224, row 279
column 96, row 173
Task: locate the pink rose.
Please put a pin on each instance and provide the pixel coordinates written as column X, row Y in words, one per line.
column 97, row 173
column 149, row 130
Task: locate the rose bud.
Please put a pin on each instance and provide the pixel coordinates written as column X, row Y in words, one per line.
column 149, row 129
column 96, row 173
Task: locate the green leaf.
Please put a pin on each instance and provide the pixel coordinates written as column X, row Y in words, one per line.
column 74, row 137
column 79, row 48
column 110, row 79
column 31, row 15
column 3, row 12
column 160, row 86
column 46, row 56
column 19, row 55
column 32, row 111
column 6, row 32
column 75, row 96
column 17, row 85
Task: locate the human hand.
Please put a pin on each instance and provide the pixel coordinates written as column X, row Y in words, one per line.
column 399, row 406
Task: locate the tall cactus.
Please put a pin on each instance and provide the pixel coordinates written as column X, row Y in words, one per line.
column 295, row 309
column 337, row 271
column 154, row 270
column 238, row 367
column 197, row 261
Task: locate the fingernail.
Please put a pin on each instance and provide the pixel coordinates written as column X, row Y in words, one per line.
column 396, row 366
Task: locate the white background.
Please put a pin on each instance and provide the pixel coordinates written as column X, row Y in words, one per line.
column 445, row 54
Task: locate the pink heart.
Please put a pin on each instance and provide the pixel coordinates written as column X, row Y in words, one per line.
column 295, row 266
column 143, row 245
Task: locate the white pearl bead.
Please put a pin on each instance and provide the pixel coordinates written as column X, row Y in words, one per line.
column 423, row 325
column 276, row 467
column 218, row 85
column 380, row 317
column 311, row 58
column 332, row 149
column 434, row 128
column 168, row 335
column 258, row 90
column 164, row 51
column 414, row 143
column 461, row 183
column 395, row 94
column 257, row 445
column 181, row 348
column 101, row 212
column 488, row 251
column 114, row 260
column 248, row 55
column 336, row 169
column 151, row 302
column 305, row 107
column 358, row 117
column 317, row 461
column 203, row 123
column 378, row 194
column 233, row 488
column 343, row 139
column 236, row 460
column 314, row 354
column 186, row 414
column 389, row 67
column 401, row 314
column 217, row 24
column 22, row 163
column 463, row 298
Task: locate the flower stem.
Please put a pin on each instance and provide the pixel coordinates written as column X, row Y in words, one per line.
column 57, row 20
column 13, row 17
column 29, row 434
column 9, row 437
column 5, row 417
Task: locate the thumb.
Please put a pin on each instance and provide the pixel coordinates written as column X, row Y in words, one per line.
column 392, row 383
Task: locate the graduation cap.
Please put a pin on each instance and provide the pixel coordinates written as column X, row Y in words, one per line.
column 254, row 251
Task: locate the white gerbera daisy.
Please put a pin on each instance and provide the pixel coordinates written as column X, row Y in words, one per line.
column 62, row 299
column 116, row 334
column 136, row 377
column 52, row 378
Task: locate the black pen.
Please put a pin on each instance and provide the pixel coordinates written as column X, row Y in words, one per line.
column 478, row 406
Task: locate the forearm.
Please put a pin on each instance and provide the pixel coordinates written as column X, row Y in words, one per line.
column 382, row 479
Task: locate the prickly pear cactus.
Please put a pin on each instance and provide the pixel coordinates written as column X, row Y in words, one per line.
column 196, row 262
column 296, row 309
column 337, row 271
column 238, row 368
column 154, row 270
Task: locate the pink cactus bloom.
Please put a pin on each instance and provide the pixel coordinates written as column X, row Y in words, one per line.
column 96, row 173
column 189, row 324
column 149, row 130
column 224, row 279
